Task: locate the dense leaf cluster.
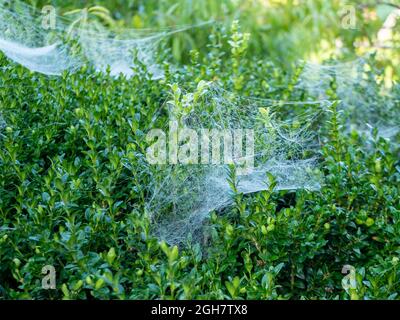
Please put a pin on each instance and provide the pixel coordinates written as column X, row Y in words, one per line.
column 74, row 182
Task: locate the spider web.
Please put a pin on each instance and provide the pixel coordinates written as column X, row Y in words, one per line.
column 364, row 104
column 184, row 195
column 70, row 44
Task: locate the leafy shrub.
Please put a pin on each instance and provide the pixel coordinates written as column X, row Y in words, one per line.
column 74, row 182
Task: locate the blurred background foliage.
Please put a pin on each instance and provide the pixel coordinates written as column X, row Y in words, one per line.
column 285, row 31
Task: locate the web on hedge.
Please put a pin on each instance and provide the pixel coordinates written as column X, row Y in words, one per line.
column 183, row 195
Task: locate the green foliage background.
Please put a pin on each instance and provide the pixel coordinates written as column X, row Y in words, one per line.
column 73, row 176
column 282, row 30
